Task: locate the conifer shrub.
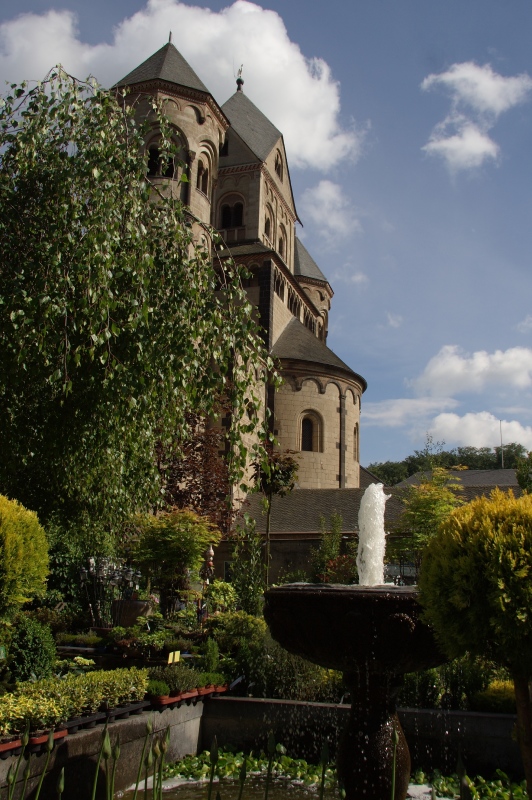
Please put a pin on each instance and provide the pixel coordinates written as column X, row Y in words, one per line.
column 32, row 650
column 23, row 556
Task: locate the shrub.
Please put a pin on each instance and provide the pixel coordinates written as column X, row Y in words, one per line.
column 498, row 698
column 170, row 546
column 32, row 650
column 158, row 688
column 211, row 679
column 179, row 677
column 80, row 639
column 211, row 657
column 23, row 556
column 220, row 596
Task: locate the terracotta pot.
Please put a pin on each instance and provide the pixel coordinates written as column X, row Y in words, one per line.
column 188, row 695
column 10, row 744
column 44, row 738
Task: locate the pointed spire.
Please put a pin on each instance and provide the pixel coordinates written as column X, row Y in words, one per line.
column 239, row 80
column 170, row 37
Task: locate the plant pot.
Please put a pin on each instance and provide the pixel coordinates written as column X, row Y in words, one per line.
column 188, row 696
column 36, row 743
column 8, row 747
column 220, row 689
column 206, row 690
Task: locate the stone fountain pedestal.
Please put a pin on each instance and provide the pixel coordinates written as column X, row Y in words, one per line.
column 373, row 635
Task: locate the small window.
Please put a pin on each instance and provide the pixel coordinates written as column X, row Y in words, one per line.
column 281, row 246
column 307, row 434
column 279, row 165
column 224, row 149
column 226, row 217
column 238, row 213
column 268, row 228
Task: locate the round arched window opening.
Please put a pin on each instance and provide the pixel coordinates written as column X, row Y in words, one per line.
column 307, row 434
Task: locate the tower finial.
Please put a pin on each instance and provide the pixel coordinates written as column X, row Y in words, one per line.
column 239, row 80
column 170, row 37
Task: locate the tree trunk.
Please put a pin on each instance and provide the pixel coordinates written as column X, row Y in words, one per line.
column 524, row 725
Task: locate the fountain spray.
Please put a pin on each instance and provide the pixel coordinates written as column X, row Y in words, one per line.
column 372, row 538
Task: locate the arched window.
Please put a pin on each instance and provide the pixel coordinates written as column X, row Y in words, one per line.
column 279, row 165
column 356, row 445
column 232, row 213
column 202, row 179
column 311, row 432
column 159, row 166
column 307, row 434
column 280, row 246
column 268, row 228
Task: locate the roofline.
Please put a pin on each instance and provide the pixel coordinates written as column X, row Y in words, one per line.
column 328, row 369
column 141, row 88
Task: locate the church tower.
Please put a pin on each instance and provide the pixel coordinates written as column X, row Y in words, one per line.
column 239, row 181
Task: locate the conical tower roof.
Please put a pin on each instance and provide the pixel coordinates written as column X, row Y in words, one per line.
column 251, row 125
column 167, row 64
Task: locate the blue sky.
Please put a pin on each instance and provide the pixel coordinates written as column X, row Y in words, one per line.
column 409, row 128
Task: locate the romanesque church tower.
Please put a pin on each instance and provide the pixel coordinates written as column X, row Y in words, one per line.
column 239, row 182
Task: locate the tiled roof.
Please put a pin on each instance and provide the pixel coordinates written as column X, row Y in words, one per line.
column 304, row 264
column 301, row 510
column 491, row 478
column 251, row 125
column 167, row 64
column 367, row 478
column 297, row 342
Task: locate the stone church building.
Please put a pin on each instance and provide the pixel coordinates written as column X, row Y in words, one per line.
column 239, row 182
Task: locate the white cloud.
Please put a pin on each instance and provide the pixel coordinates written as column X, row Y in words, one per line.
column 329, row 210
column 478, row 97
column 404, row 411
column 297, row 93
column 359, row 278
column 452, row 372
column 394, row 320
column 480, row 88
column 467, row 148
column 480, row 429
column 526, row 325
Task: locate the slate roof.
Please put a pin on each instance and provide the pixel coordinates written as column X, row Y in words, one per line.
column 297, row 342
column 167, row 64
column 251, row 125
column 367, row 478
column 304, row 264
column 300, row 511
column 504, row 478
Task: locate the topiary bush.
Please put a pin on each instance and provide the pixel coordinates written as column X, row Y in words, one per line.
column 32, row 650
column 23, row 556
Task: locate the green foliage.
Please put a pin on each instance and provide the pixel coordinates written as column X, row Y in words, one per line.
column 498, row 698
column 158, row 688
column 178, row 677
column 220, row 596
column 433, row 455
column 247, row 649
column 453, row 685
column 328, row 563
column 523, row 473
column 32, row 650
column 23, row 556
column 426, row 506
column 211, row 655
column 476, row 580
column 115, row 322
column 229, row 766
column 247, row 566
column 169, row 546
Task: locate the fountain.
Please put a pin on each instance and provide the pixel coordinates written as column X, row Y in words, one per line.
column 373, row 634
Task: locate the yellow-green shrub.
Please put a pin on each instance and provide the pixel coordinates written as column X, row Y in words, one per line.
column 23, row 556
column 499, row 698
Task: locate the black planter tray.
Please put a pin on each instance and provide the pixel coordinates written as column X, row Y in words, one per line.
column 89, row 721
column 125, row 711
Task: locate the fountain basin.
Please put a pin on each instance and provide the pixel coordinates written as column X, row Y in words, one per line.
column 373, row 634
column 345, row 627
